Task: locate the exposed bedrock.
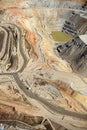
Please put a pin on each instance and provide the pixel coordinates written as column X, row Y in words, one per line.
column 76, row 24
column 36, row 70
column 11, row 52
column 75, row 52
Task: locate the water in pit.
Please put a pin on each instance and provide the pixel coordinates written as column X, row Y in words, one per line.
column 61, row 36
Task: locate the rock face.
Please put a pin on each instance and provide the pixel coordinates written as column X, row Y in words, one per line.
column 72, row 27
column 10, row 42
column 43, row 82
column 75, row 52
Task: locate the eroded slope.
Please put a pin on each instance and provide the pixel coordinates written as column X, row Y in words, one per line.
column 37, row 70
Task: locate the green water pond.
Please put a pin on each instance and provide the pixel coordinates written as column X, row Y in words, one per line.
column 61, row 36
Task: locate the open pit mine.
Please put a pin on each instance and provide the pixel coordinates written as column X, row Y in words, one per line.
column 43, row 65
